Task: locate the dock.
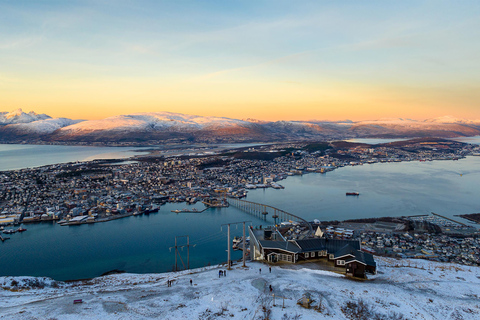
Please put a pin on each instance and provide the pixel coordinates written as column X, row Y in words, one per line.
column 446, row 218
column 85, row 221
column 189, row 210
column 3, row 239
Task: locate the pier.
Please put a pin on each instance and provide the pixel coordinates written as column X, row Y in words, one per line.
column 264, row 212
column 446, row 218
column 194, row 210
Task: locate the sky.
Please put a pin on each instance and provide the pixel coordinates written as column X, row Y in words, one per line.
column 268, row 60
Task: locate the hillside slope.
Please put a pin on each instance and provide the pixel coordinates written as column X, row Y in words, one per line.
column 403, row 289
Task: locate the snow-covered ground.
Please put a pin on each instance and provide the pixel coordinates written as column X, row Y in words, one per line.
column 403, row 289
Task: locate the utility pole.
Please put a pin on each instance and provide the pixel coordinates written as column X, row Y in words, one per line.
column 229, row 262
column 228, row 244
column 177, row 253
column 244, row 240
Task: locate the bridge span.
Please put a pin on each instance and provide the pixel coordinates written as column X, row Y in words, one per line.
column 264, row 212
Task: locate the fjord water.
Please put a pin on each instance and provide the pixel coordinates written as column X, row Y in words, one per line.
column 138, row 244
column 386, row 189
column 19, row 156
column 141, row 244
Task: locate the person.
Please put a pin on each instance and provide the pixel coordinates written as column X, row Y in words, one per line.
column 271, row 289
column 191, row 282
column 224, row 273
column 270, row 269
column 220, row 273
column 260, row 270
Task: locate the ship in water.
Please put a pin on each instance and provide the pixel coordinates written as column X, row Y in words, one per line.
column 352, row 194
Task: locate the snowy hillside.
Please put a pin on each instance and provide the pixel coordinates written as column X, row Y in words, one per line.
column 43, row 126
column 18, row 116
column 155, row 127
column 450, row 119
column 154, row 121
column 403, row 289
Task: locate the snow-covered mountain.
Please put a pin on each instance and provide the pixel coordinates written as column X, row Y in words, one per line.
column 155, row 121
column 46, row 126
column 18, row 116
column 155, row 127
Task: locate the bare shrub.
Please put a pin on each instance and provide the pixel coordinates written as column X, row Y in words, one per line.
column 296, row 316
column 358, row 310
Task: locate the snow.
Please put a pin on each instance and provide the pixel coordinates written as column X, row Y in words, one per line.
column 18, row 116
column 176, row 122
column 412, row 289
column 450, row 119
column 44, row 126
column 155, row 121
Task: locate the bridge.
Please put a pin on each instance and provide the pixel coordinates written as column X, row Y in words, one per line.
column 264, row 212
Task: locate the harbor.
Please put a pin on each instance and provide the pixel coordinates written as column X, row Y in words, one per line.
column 139, row 243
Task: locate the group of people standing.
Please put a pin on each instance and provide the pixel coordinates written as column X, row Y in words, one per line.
column 222, row 273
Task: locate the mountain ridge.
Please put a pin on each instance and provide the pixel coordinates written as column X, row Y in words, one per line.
column 171, row 127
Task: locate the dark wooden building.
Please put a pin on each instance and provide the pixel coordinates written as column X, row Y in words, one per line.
column 269, row 246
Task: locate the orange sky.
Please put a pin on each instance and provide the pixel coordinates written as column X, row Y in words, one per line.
column 289, row 62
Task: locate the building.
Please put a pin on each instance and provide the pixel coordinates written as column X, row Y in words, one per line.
column 270, row 246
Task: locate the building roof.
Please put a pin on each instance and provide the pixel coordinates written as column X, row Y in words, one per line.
column 281, row 245
column 344, row 251
column 360, row 256
column 331, row 245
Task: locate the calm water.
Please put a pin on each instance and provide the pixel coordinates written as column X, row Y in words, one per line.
column 386, row 189
column 472, row 140
column 141, row 244
column 135, row 244
column 373, row 140
column 19, row 156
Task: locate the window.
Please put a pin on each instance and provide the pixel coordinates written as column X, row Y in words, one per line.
column 285, row 257
column 307, row 255
column 341, row 262
column 331, row 256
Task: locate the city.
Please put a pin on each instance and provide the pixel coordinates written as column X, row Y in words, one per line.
column 104, row 190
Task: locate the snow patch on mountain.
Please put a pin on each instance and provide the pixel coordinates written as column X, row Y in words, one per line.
column 155, row 121
column 43, row 126
column 18, row 116
column 450, row 119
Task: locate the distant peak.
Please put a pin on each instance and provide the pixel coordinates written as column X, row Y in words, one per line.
column 254, row 120
column 14, row 113
column 447, row 119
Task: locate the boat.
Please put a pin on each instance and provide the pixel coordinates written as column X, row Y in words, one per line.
column 238, row 243
column 152, row 209
column 9, row 231
column 352, row 194
column 21, row 230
